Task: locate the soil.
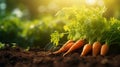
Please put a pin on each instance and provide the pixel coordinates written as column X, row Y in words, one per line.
column 17, row 57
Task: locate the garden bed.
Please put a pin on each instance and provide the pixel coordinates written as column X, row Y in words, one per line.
column 17, row 57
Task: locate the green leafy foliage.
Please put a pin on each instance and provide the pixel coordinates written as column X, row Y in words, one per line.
column 34, row 33
column 111, row 36
column 10, row 30
column 2, row 45
column 37, row 32
column 55, row 37
column 88, row 23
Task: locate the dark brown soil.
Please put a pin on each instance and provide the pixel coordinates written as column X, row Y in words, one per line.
column 16, row 57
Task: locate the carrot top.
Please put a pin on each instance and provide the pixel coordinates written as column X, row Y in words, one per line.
column 88, row 23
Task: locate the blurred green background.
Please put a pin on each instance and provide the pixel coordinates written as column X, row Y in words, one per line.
column 30, row 22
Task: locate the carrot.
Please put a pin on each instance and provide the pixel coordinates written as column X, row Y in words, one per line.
column 75, row 46
column 65, row 47
column 104, row 49
column 86, row 49
column 96, row 48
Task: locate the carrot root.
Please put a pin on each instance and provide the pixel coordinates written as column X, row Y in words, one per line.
column 96, row 48
column 75, row 46
column 65, row 47
column 86, row 49
column 104, row 49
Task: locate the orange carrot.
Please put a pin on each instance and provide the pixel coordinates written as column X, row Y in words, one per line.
column 104, row 49
column 75, row 46
column 86, row 49
column 65, row 47
column 96, row 48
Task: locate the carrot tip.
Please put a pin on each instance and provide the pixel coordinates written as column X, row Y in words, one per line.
column 81, row 55
column 56, row 52
column 65, row 54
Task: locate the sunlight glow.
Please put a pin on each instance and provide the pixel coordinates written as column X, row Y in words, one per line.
column 91, row 2
column 17, row 12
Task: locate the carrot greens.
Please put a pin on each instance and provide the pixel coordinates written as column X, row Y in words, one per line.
column 88, row 24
